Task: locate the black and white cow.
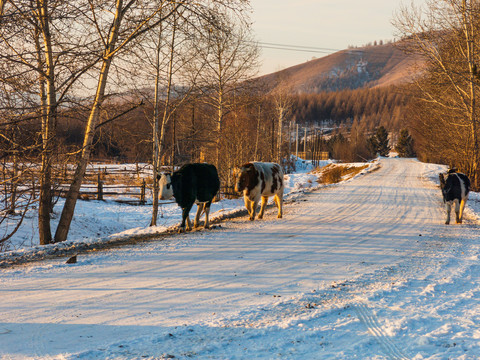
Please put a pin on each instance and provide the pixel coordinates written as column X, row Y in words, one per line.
column 455, row 188
column 192, row 183
column 260, row 180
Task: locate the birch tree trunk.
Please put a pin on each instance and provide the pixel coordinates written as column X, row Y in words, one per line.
column 156, row 145
column 49, row 103
column 469, row 33
column 165, row 115
column 93, row 119
column 280, row 129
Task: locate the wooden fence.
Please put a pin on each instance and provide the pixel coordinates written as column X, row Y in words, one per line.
column 101, row 191
column 101, row 184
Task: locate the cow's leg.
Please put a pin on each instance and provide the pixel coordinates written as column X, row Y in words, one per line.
column 251, row 207
column 254, row 209
column 248, row 205
column 462, row 208
column 200, row 208
column 207, row 212
column 448, row 208
column 185, row 217
column 279, row 202
column 457, row 211
column 262, row 207
column 460, row 213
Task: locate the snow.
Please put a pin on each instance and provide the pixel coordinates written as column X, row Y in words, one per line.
column 364, row 269
column 113, row 220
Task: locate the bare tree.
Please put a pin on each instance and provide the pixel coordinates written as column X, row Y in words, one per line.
column 172, row 88
column 36, row 54
column 51, row 52
column 446, row 35
column 282, row 101
column 117, row 28
column 230, row 57
column 157, row 139
column 128, row 21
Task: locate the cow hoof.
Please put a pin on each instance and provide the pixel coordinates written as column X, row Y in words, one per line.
column 279, row 216
column 260, row 217
column 181, row 230
column 251, row 218
column 447, row 222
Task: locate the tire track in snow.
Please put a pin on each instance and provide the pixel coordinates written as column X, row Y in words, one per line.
column 370, row 320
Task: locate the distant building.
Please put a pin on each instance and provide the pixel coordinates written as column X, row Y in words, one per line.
column 309, row 155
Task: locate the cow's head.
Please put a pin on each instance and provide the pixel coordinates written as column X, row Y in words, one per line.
column 246, row 177
column 165, row 187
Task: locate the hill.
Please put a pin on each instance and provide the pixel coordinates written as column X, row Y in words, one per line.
column 372, row 66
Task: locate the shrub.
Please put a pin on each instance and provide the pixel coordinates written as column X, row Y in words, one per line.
column 332, row 174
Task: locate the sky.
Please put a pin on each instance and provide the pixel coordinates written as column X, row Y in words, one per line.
column 326, row 25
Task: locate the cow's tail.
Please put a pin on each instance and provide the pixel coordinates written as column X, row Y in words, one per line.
column 441, row 177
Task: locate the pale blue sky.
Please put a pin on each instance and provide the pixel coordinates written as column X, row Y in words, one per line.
column 332, row 24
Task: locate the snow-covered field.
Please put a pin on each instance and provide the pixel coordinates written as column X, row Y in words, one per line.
column 361, row 270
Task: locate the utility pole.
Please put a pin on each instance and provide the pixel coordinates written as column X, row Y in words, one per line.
column 305, row 144
column 296, row 142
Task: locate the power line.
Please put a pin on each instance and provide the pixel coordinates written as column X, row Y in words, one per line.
column 293, row 49
column 315, row 48
column 323, row 50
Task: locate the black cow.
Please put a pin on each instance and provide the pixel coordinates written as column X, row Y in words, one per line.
column 192, row 183
column 455, row 188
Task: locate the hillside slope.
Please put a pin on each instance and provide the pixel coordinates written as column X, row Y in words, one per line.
column 371, row 66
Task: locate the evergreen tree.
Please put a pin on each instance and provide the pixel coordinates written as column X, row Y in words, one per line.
column 378, row 143
column 404, row 146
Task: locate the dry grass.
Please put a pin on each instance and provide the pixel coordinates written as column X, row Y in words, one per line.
column 334, row 173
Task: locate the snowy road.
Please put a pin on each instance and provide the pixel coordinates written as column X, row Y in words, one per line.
column 365, row 269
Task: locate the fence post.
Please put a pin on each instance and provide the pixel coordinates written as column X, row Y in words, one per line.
column 142, row 192
column 100, row 188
